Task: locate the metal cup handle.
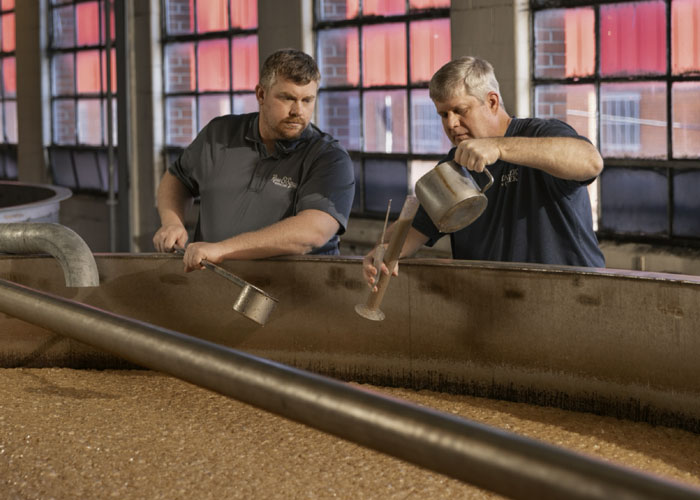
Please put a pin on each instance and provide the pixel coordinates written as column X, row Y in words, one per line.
column 486, row 171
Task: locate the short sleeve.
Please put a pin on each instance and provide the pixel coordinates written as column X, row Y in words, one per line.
column 328, row 183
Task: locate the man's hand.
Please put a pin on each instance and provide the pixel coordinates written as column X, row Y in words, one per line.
column 370, row 271
column 170, row 236
column 477, row 154
column 196, row 252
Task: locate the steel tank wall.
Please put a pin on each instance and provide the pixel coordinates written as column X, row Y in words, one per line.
column 612, row 342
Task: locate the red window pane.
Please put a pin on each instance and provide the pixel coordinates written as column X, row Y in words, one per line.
column 245, row 62
column 211, row 15
column 88, row 71
column 385, row 121
column 330, row 10
column 179, row 18
column 564, row 43
column 383, row 7
column 213, row 65
column 244, row 14
column 633, row 38
column 338, row 56
column 428, row 4
column 384, row 51
column 430, row 48
column 113, row 70
column 685, row 42
column 686, row 120
column 88, row 22
column 179, row 67
column 579, row 32
column 7, row 4
column 9, row 77
column 8, row 32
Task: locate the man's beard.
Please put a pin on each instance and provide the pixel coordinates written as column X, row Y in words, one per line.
column 290, row 133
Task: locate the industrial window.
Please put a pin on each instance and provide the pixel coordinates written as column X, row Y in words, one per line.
column 627, row 76
column 8, row 92
column 78, row 153
column 376, row 59
column 210, row 50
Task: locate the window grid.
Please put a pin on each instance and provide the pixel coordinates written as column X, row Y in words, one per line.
column 376, row 165
column 79, row 95
column 8, row 94
column 621, row 122
column 191, row 100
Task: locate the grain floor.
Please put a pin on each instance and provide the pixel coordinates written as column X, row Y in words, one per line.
column 68, row 434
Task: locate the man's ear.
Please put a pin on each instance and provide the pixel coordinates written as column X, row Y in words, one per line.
column 259, row 93
column 493, row 101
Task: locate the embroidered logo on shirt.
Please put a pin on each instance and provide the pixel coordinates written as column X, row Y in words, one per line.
column 509, row 177
column 285, row 182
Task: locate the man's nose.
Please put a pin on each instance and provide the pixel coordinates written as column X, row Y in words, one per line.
column 451, row 120
column 294, row 109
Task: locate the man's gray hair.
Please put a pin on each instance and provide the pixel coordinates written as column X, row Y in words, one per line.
column 289, row 64
column 470, row 74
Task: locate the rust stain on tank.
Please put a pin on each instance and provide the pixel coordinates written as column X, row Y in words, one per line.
column 589, row 300
column 512, row 293
column 676, row 312
column 172, row 279
column 337, row 278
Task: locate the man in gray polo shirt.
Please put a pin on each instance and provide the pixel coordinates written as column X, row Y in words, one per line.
column 269, row 183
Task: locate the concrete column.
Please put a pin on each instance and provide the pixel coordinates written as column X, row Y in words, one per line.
column 32, row 92
column 284, row 24
column 498, row 31
column 146, row 123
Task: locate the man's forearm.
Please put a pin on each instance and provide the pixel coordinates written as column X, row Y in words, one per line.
column 563, row 157
column 295, row 235
column 173, row 201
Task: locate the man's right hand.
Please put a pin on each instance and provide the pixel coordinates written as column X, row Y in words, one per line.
column 371, row 273
column 169, row 236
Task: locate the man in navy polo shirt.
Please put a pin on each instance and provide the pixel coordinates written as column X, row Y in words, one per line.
column 538, row 207
column 269, row 183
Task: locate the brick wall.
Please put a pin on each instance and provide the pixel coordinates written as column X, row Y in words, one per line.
column 550, row 46
column 179, row 16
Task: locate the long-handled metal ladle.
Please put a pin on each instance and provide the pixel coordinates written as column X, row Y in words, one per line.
column 252, row 302
column 370, row 309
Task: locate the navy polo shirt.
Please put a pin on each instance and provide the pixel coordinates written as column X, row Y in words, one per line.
column 531, row 215
column 242, row 187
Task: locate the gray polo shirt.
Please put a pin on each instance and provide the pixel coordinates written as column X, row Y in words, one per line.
column 242, row 187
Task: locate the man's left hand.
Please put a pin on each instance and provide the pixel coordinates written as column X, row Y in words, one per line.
column 477, row 154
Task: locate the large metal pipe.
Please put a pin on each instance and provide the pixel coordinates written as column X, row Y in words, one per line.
column 71, row 251
column 505, row 463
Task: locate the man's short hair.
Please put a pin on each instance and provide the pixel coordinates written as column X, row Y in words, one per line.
column 470, row 74
column 289, row 64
